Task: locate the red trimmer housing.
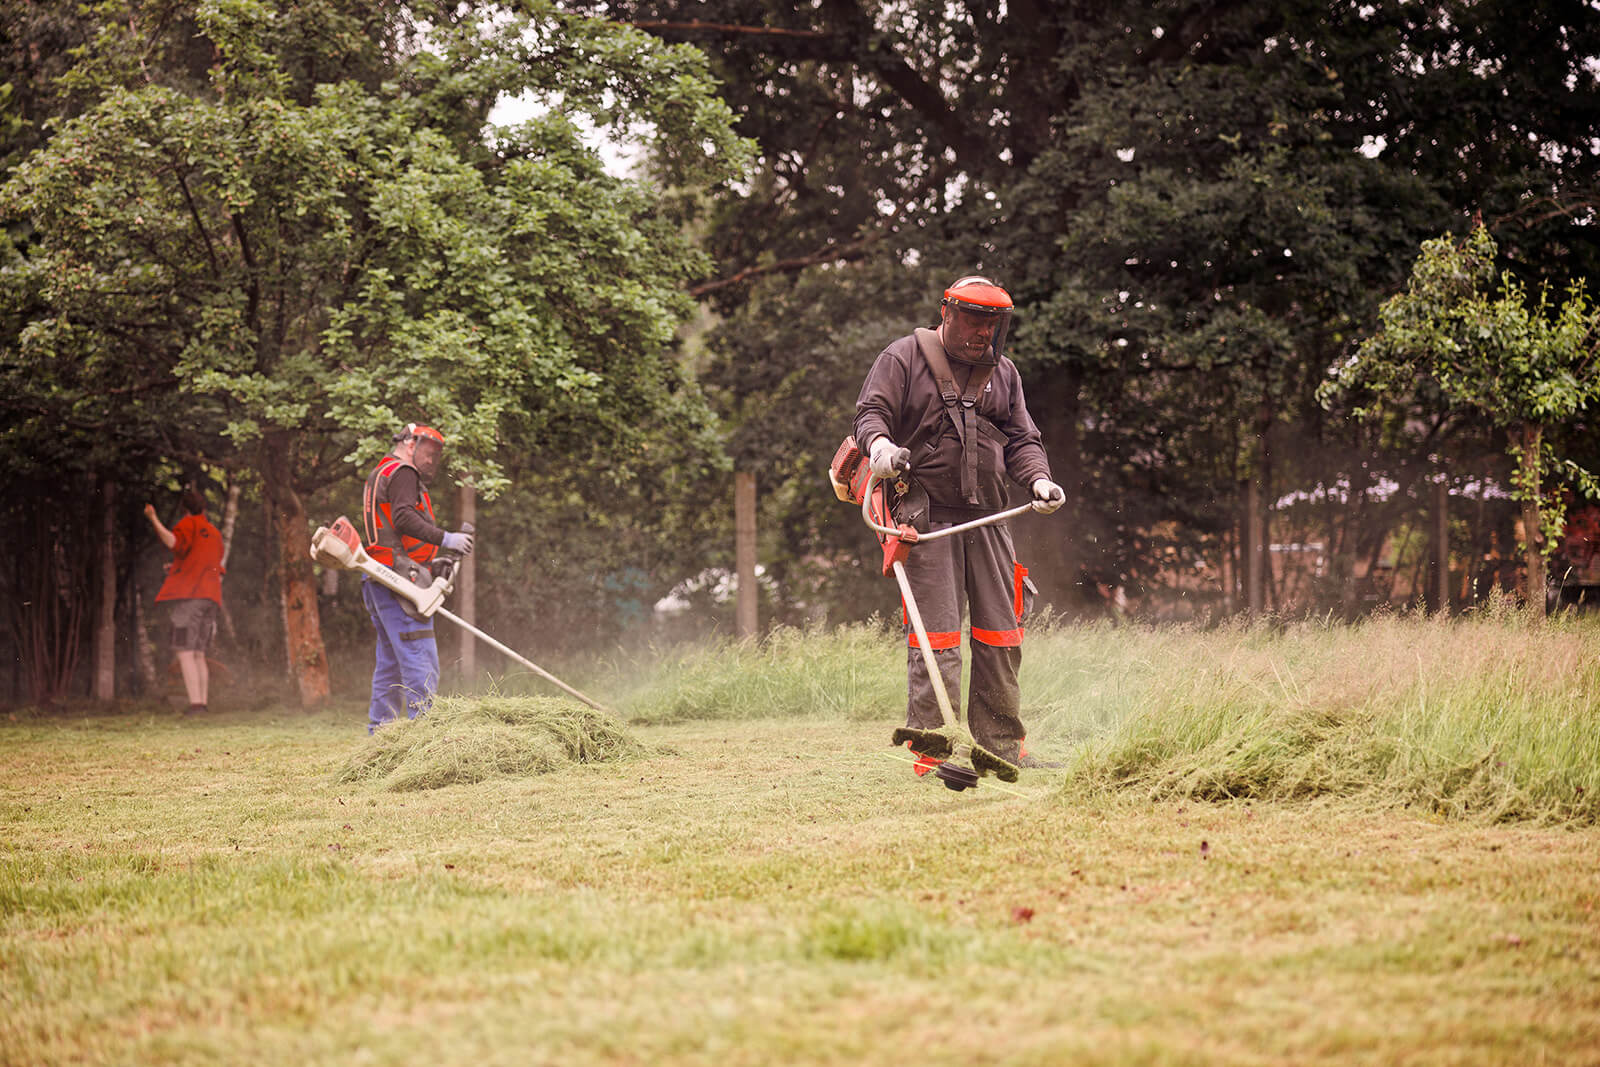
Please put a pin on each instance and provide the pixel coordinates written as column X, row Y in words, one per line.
column 849, row 472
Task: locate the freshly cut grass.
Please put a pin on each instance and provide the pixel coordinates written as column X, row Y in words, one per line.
column 1478, row 718
column 203, row 890
column 463, row 740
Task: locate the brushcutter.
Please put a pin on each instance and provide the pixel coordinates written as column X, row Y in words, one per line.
column 339, row 546
column 962, row 760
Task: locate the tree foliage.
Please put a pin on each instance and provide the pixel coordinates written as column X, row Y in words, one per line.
column 1197, row 206
column 284, row 252
column 1528, row 366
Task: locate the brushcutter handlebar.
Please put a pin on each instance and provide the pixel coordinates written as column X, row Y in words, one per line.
column 893, row 531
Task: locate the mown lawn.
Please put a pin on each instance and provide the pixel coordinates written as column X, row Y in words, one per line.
column 775, row 888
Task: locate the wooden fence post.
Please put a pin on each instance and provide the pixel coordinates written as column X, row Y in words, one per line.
column 467, row 590
column 744, row 553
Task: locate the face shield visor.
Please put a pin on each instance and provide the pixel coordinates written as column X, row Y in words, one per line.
column 426, row 457
column 427, row 450
column 977, row 316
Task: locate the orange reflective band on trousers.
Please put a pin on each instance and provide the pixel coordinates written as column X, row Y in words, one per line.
column 998, row 638
column 937, row 640
column 1007, row 638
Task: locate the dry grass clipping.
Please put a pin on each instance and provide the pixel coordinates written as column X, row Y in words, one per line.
column 462, row 740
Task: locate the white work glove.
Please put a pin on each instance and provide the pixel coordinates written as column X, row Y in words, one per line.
column 888, row 457
column 457, row 542
column 1047, row 496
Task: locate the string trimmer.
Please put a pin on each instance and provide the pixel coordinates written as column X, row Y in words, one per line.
column 963, row 760
column 340, row 546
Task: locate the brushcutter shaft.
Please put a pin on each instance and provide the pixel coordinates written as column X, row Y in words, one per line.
column 935, row 679
column 339, row 546
column 532, row 666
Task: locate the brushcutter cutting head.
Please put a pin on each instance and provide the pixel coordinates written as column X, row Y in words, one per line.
column 956, row 777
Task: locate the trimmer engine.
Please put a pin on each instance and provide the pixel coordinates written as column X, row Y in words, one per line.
column 849, row 472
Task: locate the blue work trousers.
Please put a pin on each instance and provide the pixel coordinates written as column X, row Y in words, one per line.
column 407, row 671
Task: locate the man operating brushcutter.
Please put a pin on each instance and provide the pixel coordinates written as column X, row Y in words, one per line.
column 402, row 535
column 947, row 406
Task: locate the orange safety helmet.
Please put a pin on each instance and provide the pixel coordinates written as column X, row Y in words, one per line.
column 976, row 317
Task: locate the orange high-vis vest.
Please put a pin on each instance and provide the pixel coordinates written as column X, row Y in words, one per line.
column 382, row 538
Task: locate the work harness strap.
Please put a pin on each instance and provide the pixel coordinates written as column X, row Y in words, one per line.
column 962, row 405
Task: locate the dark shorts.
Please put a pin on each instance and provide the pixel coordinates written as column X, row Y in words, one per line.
column 194, row 624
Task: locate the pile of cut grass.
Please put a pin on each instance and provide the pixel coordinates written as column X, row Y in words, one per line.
column 462, row 740
column 1478, row 717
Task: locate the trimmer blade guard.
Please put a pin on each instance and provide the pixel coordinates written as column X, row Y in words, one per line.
column 986, row 762
column 932, row 743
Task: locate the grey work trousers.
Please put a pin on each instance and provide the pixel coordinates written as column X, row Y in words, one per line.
column 975, row 573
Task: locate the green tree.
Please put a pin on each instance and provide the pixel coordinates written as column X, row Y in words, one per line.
column 1472, row 332
column 317, row 244
column 1137, row 173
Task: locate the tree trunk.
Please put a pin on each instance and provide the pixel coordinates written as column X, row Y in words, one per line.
column 144, row 648
column 307, row 659
column 745, row 618
column 1254, row 554
column 467, row 590
column 105, row 628
column 1532, row 479
column 1230, row 593
column 230, row 515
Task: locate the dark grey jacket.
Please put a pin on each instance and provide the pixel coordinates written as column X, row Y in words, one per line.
column 901, row 399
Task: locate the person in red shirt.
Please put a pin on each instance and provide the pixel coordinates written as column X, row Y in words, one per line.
column 193, row 589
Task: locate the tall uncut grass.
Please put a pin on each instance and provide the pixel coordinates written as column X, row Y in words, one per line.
column 1476, row 716
column 850, row 672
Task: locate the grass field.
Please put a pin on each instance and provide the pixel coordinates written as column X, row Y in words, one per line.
column 1307, row 845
